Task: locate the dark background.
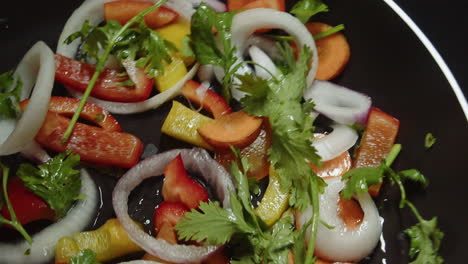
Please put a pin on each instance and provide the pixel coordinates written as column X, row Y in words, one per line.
column 445, row 23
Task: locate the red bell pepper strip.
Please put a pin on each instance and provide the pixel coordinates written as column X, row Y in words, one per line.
column 179, row 187
column 28, row 206
column 76, row 75
column 66, row 106
column 209, row 100
column 124, row 10
column 377, row 141
column 93, row 144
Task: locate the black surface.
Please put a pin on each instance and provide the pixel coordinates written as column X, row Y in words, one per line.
column 388, row 62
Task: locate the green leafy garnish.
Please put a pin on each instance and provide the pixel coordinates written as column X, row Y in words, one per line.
column 86, row 256
column 329, row 32
column 205, row 44
column 425, row 236
column 240, row 225
column 56, row 181
column 127, row 43
column 429, row 140
column 305, row 9
column 10, row 92
column 6, row 200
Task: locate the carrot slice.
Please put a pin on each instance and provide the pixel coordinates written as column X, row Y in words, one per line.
column 333, row 52
column 234, row 129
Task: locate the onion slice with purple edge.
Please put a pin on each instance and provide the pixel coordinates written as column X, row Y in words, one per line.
column 339, row 103
column 341, row 139
column 247, row 22
column 195, row 160
column 42, row 250
column 36, row 72
column 341, row 243
column 93, row 11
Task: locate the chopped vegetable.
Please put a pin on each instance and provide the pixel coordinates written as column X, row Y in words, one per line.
column 179, row 187
column 14, row 222
column 205, row 45
column 429, row 140
column 182, row 123
column 112, row 85
column 107, row 242
column 217, row 226
column 86, row 256
column 305, row 9
column 208, row 99
column 333, row 51
column 124, row 10
column 173, row 72
column 10, row 91
column 56, row 181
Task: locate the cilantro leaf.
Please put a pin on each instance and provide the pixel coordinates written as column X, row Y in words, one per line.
column 425, row 238
column 10, row 92
column 305, row 9
column 86, row 256
column 360, row 179
column 56, row 181
column 205, row 44
column 429, row 140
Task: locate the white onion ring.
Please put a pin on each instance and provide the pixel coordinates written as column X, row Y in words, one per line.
column 339, row 103
column 197, row 160
column 341, row 139
column 247, row 22
column 139, row 261
column 35, row 152
column 265, row 44
column 340, row 243
column 138, row 107
column 268, row 69
column 36, row 69
column 43, row 246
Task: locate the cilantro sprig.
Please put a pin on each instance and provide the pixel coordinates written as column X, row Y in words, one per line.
column 125, row 42
column 425, row 236
column 56, row 181
column 10, row 92
column 205, row 44
column 86, row 256
column 305, row 9
column 6, row 200
column 240, row 225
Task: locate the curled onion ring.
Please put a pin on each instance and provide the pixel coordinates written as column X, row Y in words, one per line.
column 42, row 250
column 341, row 243
column 197, row 160
column 247, row 22
column 36, row 69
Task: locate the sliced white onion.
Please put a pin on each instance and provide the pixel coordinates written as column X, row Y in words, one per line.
column 36, row 69
column 341, row 139
column 184, row 8
column 342, row 243
column 218, row 6
column 42, row 249
column 196, row 160
column 35, row 152
column 140, row 262
column 265, row 44
column 267, row 68
column 138, row 107
column 339, row 103
column 247, row 22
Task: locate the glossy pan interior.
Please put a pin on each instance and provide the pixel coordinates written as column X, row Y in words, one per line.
column 388, row 62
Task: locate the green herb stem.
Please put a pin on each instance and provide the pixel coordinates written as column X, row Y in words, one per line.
column 14, row 220
column 393, row 154
column 314, row 225
column 100, row 66
column 329, row 32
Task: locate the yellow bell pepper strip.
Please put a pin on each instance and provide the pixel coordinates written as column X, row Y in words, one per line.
column 173, row 72
column 176, row 33
column 109, row 241
column 182, row 123
column 274, row 202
